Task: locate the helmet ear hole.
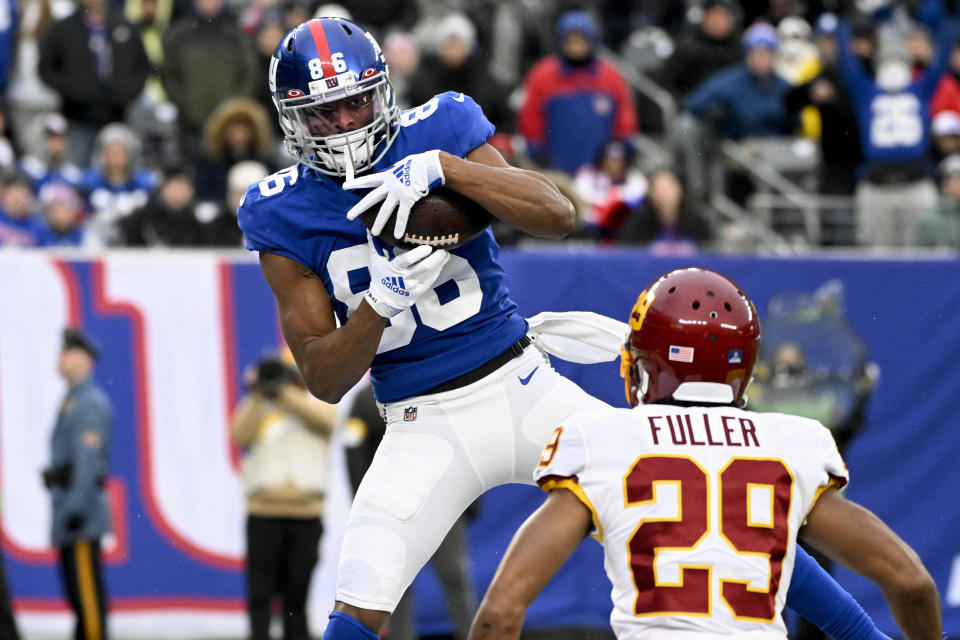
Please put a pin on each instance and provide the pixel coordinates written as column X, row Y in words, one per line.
column 696, row 304
column 714, row 314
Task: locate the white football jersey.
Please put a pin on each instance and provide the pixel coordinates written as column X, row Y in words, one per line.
column 697, row 509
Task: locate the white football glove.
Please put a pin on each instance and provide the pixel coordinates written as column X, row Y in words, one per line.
column 395, row 284
column 399, row 187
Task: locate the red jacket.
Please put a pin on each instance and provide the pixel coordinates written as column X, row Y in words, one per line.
column 946, row 97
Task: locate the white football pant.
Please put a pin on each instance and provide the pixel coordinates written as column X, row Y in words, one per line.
column 440, row 452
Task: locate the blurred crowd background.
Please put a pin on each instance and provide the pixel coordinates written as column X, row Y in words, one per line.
column 763, row 125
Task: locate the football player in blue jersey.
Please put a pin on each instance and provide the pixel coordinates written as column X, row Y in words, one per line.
column 469, row 405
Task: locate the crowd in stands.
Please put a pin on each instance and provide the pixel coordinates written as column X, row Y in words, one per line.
column 140, row 122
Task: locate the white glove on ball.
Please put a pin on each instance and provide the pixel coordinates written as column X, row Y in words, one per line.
column 399, row 187
column 395, row 284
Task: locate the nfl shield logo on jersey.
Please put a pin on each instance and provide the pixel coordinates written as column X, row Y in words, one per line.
column 409, row 414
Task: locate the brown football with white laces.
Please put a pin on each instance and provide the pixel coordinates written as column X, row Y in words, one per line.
column 443, row 219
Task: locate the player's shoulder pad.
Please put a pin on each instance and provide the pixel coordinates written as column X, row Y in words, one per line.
column 565, row 454
column 451, row 121
column 268, row 193
column 451, row 106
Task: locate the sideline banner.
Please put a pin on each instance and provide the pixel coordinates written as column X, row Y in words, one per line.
column 178, row 328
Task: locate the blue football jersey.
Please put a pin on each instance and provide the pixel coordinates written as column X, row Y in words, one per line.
column 464, row 321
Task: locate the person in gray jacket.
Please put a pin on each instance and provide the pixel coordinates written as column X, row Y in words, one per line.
column 76, row 478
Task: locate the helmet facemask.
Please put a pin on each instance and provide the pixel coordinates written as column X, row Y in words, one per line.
column 308, row 122
column 635, row 377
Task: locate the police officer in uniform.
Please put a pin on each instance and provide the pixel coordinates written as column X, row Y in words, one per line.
column 75, row 478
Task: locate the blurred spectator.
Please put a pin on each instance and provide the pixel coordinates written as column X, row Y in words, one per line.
column 169, row 219
column 622, row 18
column 455, row 65
column 747, row 99
column 53, row 165
column 839, row 141
column 704, row 49
column 863, row 41
column 19, row 223
column 8, row 156
column 612, row 189
column 402, row 56
column 797, row 59
column 151, row 19
column 382, row 15
column 115, row 186
column 665, row 222
column 28, row 96
column 520, row 35
column 945, row 134
column 920, row 50
column 94, row 60
column 940, row 227
column 76, row 479
column 294, row 12
column 574, row 100
column 62, row 210
column 239, row 129
column 207, row 59
column 8, row 37
column 946, row 97
column 220, row 221
column 268, row 36
column 892, row 111
column 286, row 435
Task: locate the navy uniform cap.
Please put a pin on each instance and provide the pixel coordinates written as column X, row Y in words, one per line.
column 76, row 339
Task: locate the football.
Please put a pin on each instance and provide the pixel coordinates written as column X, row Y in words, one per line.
column 443, row 218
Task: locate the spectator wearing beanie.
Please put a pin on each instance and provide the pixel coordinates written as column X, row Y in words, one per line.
column 747, row 99
column 574, row 101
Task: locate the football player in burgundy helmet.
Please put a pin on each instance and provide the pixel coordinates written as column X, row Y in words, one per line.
column 332, row 90
column 687, row 312
column 692, row 345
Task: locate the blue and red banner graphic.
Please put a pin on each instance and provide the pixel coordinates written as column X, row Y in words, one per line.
column 178, row 328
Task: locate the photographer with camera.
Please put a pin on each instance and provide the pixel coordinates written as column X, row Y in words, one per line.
column 285, row 433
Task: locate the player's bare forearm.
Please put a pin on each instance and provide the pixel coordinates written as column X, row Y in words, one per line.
column 525, row 199
column 859, row 540
column 331, row 360
column 332, row 363
column 538, row 550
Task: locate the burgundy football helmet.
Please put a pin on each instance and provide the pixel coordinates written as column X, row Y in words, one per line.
column 694, row 337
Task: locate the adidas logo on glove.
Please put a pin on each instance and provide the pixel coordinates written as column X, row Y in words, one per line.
column 395, row 284
column 402, row 172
